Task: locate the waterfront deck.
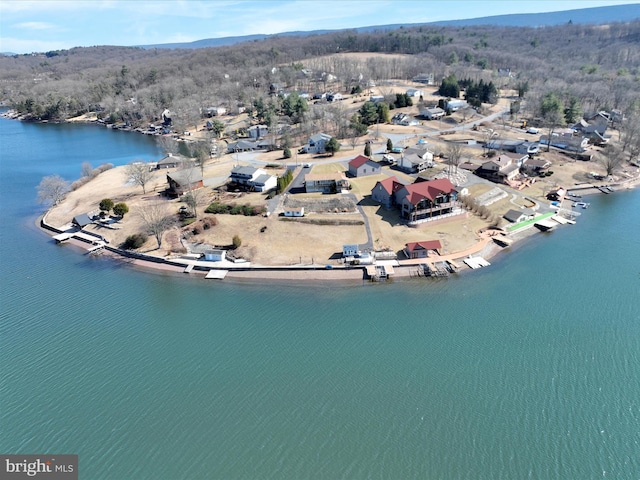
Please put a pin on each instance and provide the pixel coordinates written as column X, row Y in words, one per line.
column 476, row 262
column 217, row 274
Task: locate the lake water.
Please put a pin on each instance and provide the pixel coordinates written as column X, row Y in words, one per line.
column 526, row 369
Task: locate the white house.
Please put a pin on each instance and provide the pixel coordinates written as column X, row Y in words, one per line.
column 265, row 182
column 455, row 105
column 215, row 255
column 414, row 160
column 294, row 212
column 350, row 250
column 255, row 178
column 414, row 92
column 433, row 113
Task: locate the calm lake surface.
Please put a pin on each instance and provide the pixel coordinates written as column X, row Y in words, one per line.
column 527, row 369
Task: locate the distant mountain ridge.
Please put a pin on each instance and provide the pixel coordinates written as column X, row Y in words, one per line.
column 593, row 15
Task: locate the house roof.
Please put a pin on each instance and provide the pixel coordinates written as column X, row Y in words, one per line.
column 421, row 152
column 244, row 170
column 537, row 163
column 391, row 185
column 82, row 220
column 262, row 179
column 172, row 159
column 429, row 190
column 242, row 145
column 513, row 215
column 424, row 245
column 186, row 176
column 319, row 136
column 501, row 161
column 360, row 160
column 315, row 177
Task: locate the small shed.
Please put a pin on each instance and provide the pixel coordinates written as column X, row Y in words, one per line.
column 294, row 212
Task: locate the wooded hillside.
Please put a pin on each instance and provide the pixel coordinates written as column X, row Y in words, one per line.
column 595, row 65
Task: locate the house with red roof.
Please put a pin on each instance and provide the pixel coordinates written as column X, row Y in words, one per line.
column 362, row 166
column 422, row 249
column 384, row 191
column 425, row 200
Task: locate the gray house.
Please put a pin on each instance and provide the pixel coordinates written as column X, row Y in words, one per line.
column 362, row 166
column 316, row 143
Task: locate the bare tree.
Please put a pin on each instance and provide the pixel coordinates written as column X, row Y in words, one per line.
column 611, row 158
column 168, row 145
column 454, row 156
column 156, row 220
column 139, row 173
column 52, row 189
column 86, row 170
column 201, row 151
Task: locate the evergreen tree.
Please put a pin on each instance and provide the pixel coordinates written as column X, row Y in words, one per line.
column 367, row 150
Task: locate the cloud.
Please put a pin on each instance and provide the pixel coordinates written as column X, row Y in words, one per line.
column 18, row 45
column 36, row 26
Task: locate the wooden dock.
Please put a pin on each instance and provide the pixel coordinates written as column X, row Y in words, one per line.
column 189, row 268
column 379, row 272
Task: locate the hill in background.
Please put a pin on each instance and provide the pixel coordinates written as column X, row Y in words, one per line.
column 615, row 13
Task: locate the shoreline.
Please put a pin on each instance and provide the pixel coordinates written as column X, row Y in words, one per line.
column 286, row 275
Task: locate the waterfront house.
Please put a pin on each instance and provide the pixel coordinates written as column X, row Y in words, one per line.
column 422, row 249
column 423, row 201
column 384, row 191
column 557, row 194
column 325, row 183
column 517, row 216
column 350, row 250
column 172, row 161
column 184, row 181
column 362, row 166
column 81, row 220
column 215, row 255
column 500, row 169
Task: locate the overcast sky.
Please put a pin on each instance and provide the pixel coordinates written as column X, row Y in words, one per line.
column 42, row 25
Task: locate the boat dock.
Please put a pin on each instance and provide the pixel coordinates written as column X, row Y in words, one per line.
column 476, row 262
column 378, row 273
column 217, row 274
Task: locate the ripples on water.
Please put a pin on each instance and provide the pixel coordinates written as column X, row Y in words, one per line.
column 527, row 369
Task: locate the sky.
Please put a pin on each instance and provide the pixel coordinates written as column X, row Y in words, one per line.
column 42, row 25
